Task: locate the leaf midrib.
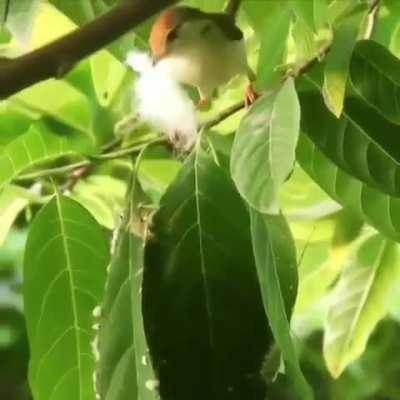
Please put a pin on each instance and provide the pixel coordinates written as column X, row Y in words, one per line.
column 72, row 290
column 201, row 245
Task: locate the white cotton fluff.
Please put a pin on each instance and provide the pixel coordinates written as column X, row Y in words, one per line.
column 162, row 103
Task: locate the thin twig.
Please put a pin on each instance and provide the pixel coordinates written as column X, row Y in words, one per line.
column 232, row 8
column 223, row 115
column 86, row 163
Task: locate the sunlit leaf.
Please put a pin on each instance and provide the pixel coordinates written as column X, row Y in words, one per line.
column 359, row 301
column 12, row 201
column 338, row 63
column 263, row 153
column 71, row 108
column 271, row 21
column 64, row 274
column 103, row 196
column 107, row 75
column 37, row 145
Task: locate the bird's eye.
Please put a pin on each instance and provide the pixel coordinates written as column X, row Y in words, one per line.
column 172, row 35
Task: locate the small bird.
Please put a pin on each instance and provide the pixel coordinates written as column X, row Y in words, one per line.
column 200, row 49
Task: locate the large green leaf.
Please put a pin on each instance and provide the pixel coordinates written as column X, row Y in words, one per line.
column 64, row 274
column 359, row 301
column 276, row 264
column 61, row 101
column 263, row 153
column 338, row 63
column 37, row 145
column 362, row 141
column 203, row 312
column 124, row 367
column 375, row 76
column 380, row 210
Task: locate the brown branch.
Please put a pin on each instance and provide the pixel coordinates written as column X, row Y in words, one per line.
column 56, row 58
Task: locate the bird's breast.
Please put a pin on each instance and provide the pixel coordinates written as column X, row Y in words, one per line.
column 206, row 65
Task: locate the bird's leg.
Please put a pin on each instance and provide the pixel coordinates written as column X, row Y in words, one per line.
column 204, row 101
column 250, row 95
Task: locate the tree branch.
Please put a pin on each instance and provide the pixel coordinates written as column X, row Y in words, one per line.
column 56, row 58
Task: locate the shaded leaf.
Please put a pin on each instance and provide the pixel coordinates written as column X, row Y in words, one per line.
column 359, row 301
column 199, row 278
column 276, row 265
column 64, row 275
column 378, row 209
column 124, row 369
column 375, row 76
column 362, row 141
column 263, row 153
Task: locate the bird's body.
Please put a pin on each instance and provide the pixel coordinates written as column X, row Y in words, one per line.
column 200, row 49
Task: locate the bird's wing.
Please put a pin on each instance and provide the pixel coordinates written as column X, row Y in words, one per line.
column 227, row 25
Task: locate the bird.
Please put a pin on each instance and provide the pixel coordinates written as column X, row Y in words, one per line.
column 200, row 49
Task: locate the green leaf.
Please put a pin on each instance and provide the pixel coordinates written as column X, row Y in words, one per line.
column 375, row 76
column 107, row 75
column 64, row 275
column 359, row 301
column 103, row 196
column 303, row 200
column 305, row 10
column 271, row 21
column 315, row 282
column 199, row 284
column 124, row 368
column 13, row 200
column 61, row 101
column 362, row 141
column 263, row 153
column 37, row 145
column 14, row 121
column 276, row 264
column 376, row 208
column 338, row 63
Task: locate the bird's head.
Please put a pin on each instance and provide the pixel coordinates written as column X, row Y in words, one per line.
column 188, row 26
